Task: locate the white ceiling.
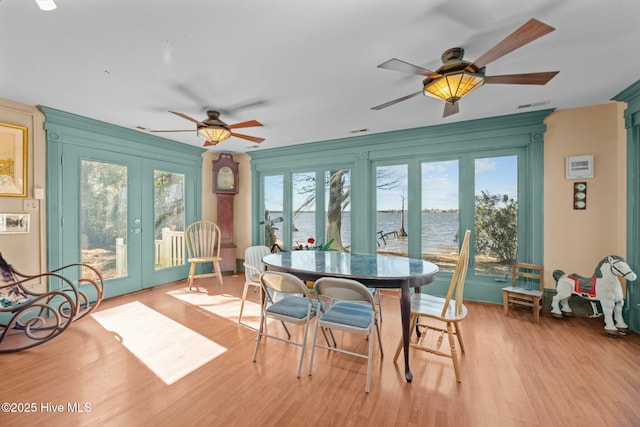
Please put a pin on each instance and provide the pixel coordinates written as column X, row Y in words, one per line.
column 306, row 69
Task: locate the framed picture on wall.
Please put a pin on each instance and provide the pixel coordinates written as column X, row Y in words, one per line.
column 13, row 160
column 14, row 223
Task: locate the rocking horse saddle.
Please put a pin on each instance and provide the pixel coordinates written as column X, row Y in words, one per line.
column 586, row 286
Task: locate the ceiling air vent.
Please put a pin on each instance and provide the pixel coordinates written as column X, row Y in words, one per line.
column 535, row 104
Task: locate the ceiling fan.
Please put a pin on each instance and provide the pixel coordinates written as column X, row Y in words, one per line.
column 214, row 130
column 457, row 77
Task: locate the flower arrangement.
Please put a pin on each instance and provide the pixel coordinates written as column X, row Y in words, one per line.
column 312, row 246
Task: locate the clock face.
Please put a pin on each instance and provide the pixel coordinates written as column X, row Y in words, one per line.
column 226, row 179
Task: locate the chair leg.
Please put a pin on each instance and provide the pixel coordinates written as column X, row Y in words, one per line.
column 244, row 297
column 216, row 266
column 459, row 335
column 413, row 320
column 313, row 347
column 379, row 303
column 367, row 386
column 379, row 340
column 192, row 271
column 324, row 333
column 262, row 322
column 304, row 346
column 536, row 309
column 454, row 354
column 505, row 302
column 286, row 330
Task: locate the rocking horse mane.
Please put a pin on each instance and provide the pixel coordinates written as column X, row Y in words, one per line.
column 557, row 274
column 598, row 272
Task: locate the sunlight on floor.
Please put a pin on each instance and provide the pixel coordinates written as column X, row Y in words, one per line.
column 226, row 306
column 158, row 341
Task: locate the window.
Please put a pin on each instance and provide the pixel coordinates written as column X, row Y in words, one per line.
column 413, row 193
column 169, row 222
column 304, row 209
column 338, row 209
column 103, row 222
column 391, row 210
column 273, row 211
column 439, row 216
column 496, row 214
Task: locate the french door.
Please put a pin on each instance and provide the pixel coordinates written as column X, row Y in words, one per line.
column 125, row 215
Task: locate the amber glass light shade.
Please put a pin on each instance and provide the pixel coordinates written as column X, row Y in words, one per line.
column 453, row 86
column 214, row 133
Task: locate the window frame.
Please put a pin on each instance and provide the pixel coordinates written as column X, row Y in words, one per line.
column 518, row 134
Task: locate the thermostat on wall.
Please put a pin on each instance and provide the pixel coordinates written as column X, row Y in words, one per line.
column 579, row 167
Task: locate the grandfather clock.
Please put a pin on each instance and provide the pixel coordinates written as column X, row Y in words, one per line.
column 225, row 185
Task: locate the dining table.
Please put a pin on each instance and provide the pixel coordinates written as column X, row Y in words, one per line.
column 372, row 270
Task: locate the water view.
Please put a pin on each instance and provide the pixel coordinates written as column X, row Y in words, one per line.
column 439, row 230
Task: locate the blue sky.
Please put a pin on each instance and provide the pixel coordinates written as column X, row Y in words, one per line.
column 497, row 175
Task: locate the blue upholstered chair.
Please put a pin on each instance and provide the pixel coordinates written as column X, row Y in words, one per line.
column 292, row 305
column 353, row 311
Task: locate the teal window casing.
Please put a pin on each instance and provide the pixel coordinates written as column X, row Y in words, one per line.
column 631, row 96
column 70, row 130
column 519, row 134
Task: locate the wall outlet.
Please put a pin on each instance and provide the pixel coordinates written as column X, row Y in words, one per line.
column 30, row 205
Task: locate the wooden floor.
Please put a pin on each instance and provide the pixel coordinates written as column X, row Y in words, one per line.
column 514, row 373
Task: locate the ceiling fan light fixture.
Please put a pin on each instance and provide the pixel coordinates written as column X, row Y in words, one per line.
column 46, row 5
column 451, row 87
column 214, row 133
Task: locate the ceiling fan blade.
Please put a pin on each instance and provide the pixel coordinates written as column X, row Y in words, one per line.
column 404, row 67
column 184, row 116
column 395, row 101
column 530, row 31
column 246, row 124
column 175, row 130
column 247, row 137
column 450, row 109
column 243, row 106
column 523, row 79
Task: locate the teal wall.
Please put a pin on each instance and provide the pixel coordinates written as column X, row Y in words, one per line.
column 518, row 133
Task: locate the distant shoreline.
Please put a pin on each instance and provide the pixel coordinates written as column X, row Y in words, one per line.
column 385, row 211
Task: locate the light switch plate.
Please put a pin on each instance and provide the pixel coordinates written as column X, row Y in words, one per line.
column 30, row 205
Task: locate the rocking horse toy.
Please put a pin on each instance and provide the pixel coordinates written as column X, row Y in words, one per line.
column 603, row 286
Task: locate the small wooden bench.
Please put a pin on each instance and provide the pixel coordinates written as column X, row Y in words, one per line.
column 29, row 318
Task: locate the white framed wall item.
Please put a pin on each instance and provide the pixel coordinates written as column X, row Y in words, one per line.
column 12, row 223
column 579, row 167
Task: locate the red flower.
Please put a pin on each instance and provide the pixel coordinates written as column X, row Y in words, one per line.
column 311, row 240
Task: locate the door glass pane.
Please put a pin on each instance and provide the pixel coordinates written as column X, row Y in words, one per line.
column 273, row 211
column 496, row 214
column 440, row 208
column 104, row 217
column 391, row 209
column 338, row 209
column 168, row 218
column 304, row 210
